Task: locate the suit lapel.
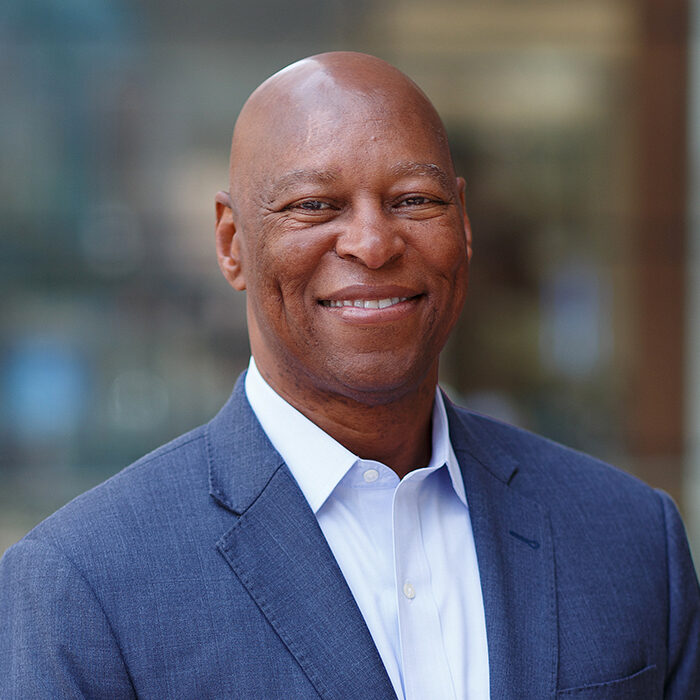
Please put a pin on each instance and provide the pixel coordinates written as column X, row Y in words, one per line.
column 278, row 552
column 516, row 565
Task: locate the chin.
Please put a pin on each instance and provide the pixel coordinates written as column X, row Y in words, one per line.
column 376, row 383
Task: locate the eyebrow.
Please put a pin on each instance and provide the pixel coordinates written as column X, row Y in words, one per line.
column 277, row 187
column 425, row 169
column 295, row 177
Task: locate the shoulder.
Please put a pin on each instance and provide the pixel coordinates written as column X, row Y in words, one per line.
column 101, row 569
column 144, row 509
column 552, row 474
column 139, row 496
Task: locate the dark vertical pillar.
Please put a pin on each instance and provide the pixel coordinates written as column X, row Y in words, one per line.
column 659, row 242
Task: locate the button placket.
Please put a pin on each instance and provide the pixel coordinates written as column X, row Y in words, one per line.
column 405, row 542
column 418, row 618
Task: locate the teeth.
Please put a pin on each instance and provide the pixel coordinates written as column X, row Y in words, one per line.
column 365, row 303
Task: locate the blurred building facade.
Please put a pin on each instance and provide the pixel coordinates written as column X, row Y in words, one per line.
column 570, row 124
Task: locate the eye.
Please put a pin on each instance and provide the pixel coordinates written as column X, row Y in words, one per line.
column 310, row 211
column 310, row 205
column 417, row 200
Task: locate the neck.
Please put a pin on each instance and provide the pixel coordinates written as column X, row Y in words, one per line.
column 397, row 433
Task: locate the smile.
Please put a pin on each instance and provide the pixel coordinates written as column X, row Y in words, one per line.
column 365, row 303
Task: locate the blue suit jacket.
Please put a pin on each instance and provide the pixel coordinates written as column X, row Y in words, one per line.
column 201, row 572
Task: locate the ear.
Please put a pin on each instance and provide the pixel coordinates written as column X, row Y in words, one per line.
column 228, row 244
column 461, row 189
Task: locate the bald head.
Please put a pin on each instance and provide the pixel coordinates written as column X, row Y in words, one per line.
column 330, row 88
column 343, row 194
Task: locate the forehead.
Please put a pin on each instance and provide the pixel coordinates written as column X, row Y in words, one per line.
column 341, row 142
column 319, row 126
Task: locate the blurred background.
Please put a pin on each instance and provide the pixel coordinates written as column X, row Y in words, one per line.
column 576, row 125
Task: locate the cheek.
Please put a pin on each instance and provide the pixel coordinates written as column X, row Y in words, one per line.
column 450, row 265
column 461, row 282
column 445, row 252
column 284, row 267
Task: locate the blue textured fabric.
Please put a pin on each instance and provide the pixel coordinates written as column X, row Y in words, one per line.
column 200, row 572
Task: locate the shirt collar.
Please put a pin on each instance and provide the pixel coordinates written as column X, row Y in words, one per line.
column 317, row 461
column 442, row 453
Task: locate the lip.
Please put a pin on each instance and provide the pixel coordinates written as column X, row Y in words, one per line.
column 404, row 301
column 366, row 292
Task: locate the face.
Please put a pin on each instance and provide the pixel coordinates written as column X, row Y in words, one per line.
column 348, row 232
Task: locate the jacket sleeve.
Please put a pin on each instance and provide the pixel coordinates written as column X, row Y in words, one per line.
column 55, row 640
column 683, row 670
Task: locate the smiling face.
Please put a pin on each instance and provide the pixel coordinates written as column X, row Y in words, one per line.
column 346, row 227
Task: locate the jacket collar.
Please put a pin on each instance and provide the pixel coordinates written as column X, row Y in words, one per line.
column 474, row 435
column 241, row 458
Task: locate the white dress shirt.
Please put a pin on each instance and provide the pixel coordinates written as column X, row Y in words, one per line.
column 405, row 547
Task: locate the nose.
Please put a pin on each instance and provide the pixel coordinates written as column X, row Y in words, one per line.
column 371, row 237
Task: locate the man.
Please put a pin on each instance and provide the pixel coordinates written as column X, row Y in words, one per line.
column 340, row 530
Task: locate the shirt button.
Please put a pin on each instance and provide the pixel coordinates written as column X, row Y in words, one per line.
column 371, row 475
column 409, row 591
